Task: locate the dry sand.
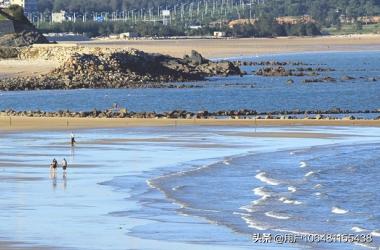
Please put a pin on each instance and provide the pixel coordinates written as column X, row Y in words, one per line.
column 12, row 68
column 216, row 48
column 57, row 123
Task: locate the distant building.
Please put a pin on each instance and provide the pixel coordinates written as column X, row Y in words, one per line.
column 195, row 27
column 128, row 35
column 28, row 5
column 59, row 17
column 219, row 34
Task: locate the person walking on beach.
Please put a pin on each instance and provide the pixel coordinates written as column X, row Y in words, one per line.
column 72, row 139
column 54, row 165
column 64, row 164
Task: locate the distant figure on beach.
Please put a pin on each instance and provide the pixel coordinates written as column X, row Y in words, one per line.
column 54, row 165
column 115, row 106
column 64, row 164
column 72, row 139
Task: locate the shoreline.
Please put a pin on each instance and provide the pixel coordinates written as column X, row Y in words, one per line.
column 13, row 124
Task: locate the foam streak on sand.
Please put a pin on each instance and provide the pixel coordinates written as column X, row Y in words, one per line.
column 263, row 178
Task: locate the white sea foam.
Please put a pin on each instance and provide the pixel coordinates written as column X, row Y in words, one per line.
column 263, row 178
column 277, row 216
column 309, row 174
column 150, row 184
column 303, row 164
column 376, row 233
column 289, row 201
column 253, row 224
column 364, row 245
column 225, row 162
column 317, row 186
column 292, row 189
column 337, row 210
column 291, row 153
column 260, row 191
column 359, row 229
column 317, row 194
column 247, row 208
column 177, row 188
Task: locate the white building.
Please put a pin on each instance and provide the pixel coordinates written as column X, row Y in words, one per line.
column 59, row 17
column 219, row 34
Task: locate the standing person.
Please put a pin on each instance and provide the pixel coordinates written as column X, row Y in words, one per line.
column 54, row 164
column 72, row 139
column 64, row 164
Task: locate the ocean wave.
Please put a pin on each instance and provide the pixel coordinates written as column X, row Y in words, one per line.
column 226, row 162
column 292, row 189
column 263, row 178
column 178, row 188
column 309, row 173
column 317, row 186
column 359, row 229
column 260, row 191
column 274, row 215
column 337, row 210
column 288, row 201
column 253, row 224
column 364, row 245
column 376, row 233
column 303, row 164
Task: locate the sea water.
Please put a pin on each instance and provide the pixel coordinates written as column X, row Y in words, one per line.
column 234, row 92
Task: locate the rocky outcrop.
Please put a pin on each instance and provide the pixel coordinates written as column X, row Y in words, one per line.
column 282, row 71
column 122, row 69
column 326, row 79
column 24, row 33
column 23, row 38
column 8, row 52
column 183, row 114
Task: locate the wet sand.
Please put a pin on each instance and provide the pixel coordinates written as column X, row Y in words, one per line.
column 58, row 123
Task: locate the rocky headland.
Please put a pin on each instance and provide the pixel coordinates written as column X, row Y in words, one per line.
column 114, row 68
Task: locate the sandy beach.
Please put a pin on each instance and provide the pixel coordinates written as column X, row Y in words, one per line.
column 105, row 197
column 57, row 123
column 218, row 48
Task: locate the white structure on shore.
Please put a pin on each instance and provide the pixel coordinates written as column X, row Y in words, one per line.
column 59, row 17
column 28, row 5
